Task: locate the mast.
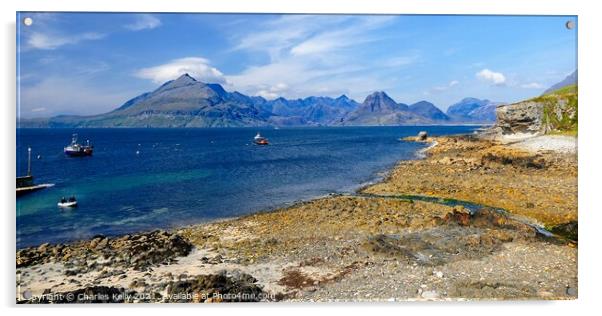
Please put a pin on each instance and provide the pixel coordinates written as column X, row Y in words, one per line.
column 29, row 161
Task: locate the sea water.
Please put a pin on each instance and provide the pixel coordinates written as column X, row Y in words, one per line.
column 143, row 179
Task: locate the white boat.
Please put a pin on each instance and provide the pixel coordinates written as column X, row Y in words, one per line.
column 260, row 140
column 65, row 203
column 78, row 150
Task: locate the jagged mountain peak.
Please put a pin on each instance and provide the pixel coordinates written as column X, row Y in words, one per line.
column 185, row 77
column 181, row 81
column 379, row 101
column 378, row 95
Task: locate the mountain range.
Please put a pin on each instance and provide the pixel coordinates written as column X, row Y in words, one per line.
column 186, row 102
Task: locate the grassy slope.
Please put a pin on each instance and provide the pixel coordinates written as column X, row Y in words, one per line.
column 560, row 110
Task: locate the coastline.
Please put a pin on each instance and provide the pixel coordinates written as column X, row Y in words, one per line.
column 343, row 241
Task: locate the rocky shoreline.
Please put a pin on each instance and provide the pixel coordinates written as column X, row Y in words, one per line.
column 379, row 245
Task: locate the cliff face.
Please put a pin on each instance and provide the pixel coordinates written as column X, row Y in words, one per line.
column 555, row 112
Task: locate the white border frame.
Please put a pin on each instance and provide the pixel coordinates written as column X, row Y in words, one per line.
column 590, row 112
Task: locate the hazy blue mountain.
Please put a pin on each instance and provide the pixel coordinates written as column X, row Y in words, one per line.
column 473, row 110
column 311, row 110
column 569, row 80
column 428, row 110
column 485, row 113
column 325, row 110
column 184, row 102
column 379, row 109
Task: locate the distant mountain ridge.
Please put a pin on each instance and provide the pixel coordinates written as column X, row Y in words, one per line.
column 567, row 81
column 186, row 102
column 379, row 109
column 473, row 110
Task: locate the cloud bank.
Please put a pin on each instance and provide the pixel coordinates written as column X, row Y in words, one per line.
column 47, row 41
column 197, row 67
column 495, row 78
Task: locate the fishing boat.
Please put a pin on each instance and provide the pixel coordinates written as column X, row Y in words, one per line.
column 65, row 203
column 260, row 140
column 78, row 150
column 25, row 184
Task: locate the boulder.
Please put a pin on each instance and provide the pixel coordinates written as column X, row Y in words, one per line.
column 522, row 117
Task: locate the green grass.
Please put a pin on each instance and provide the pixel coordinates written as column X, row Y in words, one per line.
column 560, row 110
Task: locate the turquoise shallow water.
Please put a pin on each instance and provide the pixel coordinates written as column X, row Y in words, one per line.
column 141, row 179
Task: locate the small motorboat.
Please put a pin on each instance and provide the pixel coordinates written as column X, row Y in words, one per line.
column 67, row 203
column 78, row 150
column 260, row 140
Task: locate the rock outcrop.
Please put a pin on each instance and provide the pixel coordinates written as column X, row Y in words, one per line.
column 554, row 112
column 138, row 251
column 522, row 117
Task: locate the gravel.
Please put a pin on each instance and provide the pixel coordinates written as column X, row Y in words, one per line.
column 556, row 143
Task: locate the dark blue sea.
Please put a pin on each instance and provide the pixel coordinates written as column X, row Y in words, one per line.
column 142, row 179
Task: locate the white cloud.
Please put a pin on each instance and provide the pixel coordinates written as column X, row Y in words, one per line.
column 38, row 40
column 341, row 37
column 273, row 92
column 308, row 55
column 315, row 55
column 197, row 67
column 144, row 22
column 302, row 77
column 532, row 85
column 496, row 78
column 279, row 35
column 451, row 84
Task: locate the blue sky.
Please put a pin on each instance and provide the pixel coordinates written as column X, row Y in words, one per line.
column 89, row 63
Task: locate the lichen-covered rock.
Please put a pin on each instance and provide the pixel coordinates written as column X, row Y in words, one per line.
column 522, row 117
column 541, row 115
